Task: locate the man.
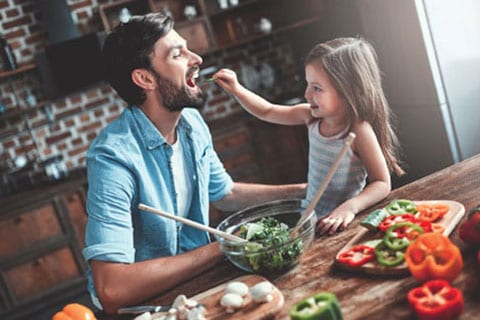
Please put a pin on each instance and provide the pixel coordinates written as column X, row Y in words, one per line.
column 158, row 152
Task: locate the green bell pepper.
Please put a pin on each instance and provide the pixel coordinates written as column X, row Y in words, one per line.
column 388, row 257
column 399, row 235
column 322, row 306
column 400, row 206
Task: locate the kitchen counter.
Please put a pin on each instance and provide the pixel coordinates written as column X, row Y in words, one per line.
column 367, row 296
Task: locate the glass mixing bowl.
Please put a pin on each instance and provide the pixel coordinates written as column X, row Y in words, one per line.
column 267, row 260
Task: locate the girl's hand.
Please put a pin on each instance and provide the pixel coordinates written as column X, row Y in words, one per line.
column 336, row 221
column 227, row 79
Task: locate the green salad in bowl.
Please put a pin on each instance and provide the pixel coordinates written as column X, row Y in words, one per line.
column 271, row 247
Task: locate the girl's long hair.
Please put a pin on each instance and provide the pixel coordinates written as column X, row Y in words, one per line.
column 351, row 64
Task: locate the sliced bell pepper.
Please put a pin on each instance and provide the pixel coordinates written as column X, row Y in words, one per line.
column 322, row 306
column 431, row 212
column 400, row 206
column 436, row 299
column 433, row 256
column 388, row 257
column 469, row 230
column 357, row 255
column 394, row 219
column 399, row 235
column 437, row 227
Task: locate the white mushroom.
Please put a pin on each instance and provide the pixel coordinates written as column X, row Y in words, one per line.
column 180, row 301
column 237, row 287
column 171, row 316
column 262, row 292
column 144, row 316
column 197, row 313
column 231, row 301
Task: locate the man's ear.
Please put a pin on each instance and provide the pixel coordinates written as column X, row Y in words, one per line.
column 144, row 79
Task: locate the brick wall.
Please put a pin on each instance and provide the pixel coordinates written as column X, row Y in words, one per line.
column 78, row 118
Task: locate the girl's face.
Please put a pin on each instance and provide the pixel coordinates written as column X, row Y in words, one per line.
column 324, row 99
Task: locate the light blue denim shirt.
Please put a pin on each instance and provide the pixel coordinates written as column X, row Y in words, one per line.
column 129, row 163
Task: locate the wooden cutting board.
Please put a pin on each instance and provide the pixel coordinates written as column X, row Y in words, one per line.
column 250, row 310
column 449, row 221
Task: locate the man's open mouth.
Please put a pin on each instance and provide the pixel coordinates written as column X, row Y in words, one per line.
column 191, row 77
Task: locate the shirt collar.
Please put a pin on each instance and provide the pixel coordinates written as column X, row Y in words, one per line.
column 151, row 136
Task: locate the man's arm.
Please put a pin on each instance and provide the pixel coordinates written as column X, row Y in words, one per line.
column 119, row 284
column 244, row 195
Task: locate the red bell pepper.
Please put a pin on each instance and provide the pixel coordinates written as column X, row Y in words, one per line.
column 394, row 219
column 357, row 255
column 469, row 230
column 436, row 300
column 406, row 217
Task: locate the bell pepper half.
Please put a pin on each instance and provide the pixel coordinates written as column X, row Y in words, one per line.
column 433, row 256
column 469, row 231
column 399, row 235
column 357, row 255
column 321, row 306
column 400, row 206
column 388, row 257
column 435, row 300
column 74, row 311
column 431, row 212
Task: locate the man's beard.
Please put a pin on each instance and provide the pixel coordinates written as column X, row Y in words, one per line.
column 174, row 98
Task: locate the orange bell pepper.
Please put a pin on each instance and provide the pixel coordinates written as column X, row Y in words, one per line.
column 431, row 212
column 74, row 311
column 433, row 256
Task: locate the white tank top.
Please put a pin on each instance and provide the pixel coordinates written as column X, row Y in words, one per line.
column 183, row 185
column 346, row 183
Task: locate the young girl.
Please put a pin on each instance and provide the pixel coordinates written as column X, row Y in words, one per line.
column 344, row 93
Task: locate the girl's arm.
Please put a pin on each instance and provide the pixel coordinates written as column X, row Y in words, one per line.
column 367, row 148
column 258, row 106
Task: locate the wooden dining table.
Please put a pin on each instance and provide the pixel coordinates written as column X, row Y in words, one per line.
column 367, row 296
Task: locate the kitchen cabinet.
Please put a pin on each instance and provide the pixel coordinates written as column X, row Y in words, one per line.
column 41, row 262
column 212, row 25
column 19, row 70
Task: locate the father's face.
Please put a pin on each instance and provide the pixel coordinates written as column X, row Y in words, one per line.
column 175, row 69
column 176, row 98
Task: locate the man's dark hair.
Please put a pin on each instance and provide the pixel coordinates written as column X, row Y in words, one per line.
column 128, row 48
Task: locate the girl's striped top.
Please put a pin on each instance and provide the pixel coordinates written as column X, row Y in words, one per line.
column 346, row 183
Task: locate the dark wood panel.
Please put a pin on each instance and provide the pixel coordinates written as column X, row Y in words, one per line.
column 42, row 274
column 75, row 203
column 24, row 230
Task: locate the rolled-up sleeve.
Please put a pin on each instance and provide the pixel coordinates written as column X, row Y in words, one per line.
column 220, row 182
column 109, row 230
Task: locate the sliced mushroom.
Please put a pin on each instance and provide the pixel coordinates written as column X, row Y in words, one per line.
column 262, row 292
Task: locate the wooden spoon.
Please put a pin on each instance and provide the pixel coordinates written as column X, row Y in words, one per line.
column 306, row 215
column 191, row 223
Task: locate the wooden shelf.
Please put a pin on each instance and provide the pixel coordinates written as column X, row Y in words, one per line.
column 260, row 36
column 219, row 12
column 23, row 68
